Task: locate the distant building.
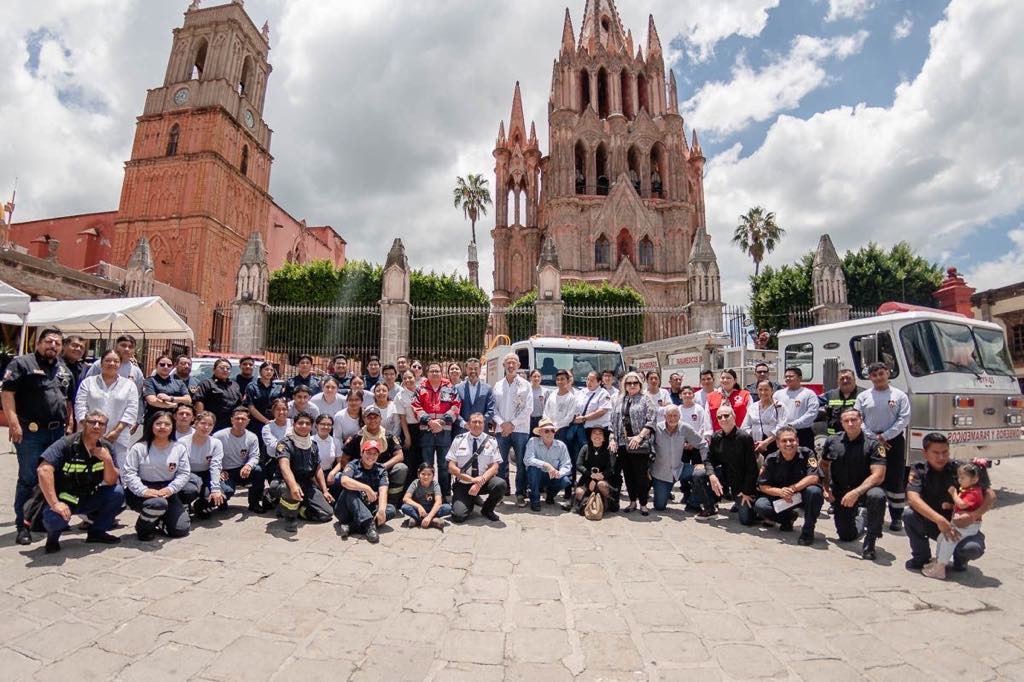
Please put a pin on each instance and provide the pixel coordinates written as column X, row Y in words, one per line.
column 197, row 183
column 1005, row 306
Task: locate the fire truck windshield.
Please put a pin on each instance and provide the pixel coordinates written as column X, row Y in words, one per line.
column 932, row 347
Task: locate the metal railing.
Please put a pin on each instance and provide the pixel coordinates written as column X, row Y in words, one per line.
column 323, row 331
column 448, row 332
column 802, row 316
column 629, row 325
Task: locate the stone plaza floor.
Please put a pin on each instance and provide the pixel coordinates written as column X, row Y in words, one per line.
column 546, row 596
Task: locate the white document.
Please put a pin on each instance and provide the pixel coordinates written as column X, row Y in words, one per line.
column 781, row 505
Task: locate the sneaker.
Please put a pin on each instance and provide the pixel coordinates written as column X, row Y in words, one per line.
column 145, row 535
column 24, row 536
column 706, row 515
column 805, row 539
column 372, row 536
column 345, row 531
column 896, row 526
column 535, row 506
column 786, row 526
column 520, row 500
column 52, row 546
column 102, row 538
column 935, row 570
column 567, row 506
column 291, row 524
column 868, row 551
column 916, row 564
column 408, row 523
column 490, row 516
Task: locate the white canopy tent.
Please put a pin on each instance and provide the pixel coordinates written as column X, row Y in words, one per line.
column 148, row 317
column 15, row 303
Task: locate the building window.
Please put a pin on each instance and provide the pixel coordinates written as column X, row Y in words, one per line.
column 646, row 253
column 245, row 78
column 199, row 63
column 602, row 93
column 172, row 140
column 625, row 245
column 1017, row 342
column 602, row 252
column 244, row 166
column 584, row 90
column 626, row 92
column 601, row 161
column 581, row 168
column 642, row 93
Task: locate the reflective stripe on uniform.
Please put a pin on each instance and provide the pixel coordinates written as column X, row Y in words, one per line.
column 98, row 466
column 68, row 497
column 289, row 505
column 72, row 468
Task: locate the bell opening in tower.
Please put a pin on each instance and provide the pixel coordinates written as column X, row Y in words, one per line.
column 584, row 90
column 602, row 93
column 602, row 170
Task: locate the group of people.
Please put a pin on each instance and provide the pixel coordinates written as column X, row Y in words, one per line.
column 344, row 446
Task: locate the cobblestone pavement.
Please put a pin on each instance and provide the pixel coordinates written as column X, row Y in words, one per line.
column 546, row 596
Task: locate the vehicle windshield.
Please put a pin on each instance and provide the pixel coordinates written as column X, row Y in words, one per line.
column 580, row 363
column 202, row 368
column 933, row 347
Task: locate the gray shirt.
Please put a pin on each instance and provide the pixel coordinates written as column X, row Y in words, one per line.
column 886, row 413
column 239, row 450
column 557, row 455
column 668, row 450
column 167, row 467
column 800, row 406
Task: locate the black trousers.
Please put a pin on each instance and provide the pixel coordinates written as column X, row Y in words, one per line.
column 895, row 483
column 805, row 438
column 845, row 518
column 463, row 502
column 635, row 470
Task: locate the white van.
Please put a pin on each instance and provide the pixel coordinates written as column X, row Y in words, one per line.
column 579, row 355
column 956, row 371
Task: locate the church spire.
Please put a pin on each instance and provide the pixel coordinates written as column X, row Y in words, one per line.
column 532, row 142
column 517, row 123
column 695, row 151
column 601, row 24
column 501, row 134
column 653, row 41
column 568, row 39
column 673, row 93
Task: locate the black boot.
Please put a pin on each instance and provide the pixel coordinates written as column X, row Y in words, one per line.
column 868, row 551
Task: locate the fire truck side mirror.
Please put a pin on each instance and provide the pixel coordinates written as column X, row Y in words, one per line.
column 830, row 374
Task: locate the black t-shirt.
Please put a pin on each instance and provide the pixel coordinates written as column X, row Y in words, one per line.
column 221, row 398
column 375, row 477
column 351, row 449
column 298, row 380
column 734, row 453
column 76, row 472
column 41, row 389
column 777, row 472
column 933, row 485
column 304, row 463
column 851, row 461
column 171, row 386
column 243, row 382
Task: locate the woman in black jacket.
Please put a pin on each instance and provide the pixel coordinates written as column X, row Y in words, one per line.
column 595, row 471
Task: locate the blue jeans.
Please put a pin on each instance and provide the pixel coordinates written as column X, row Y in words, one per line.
column 352, row 509
column 686, row 486
column 32, row 445
column 433, row 449
column 102, row 507
column 516, row 441
column 444, row 512
column 539, row 480
column 662, row 492
column 812, row 498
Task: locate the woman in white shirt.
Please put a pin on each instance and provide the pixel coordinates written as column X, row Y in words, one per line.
column 359, row 386
column 115, row 396
column 403, row 404
column 389, row 417
column 658, row 395
column 763, row 419
column 326, row 444
column 278, row 427
column 540, row 395
column 328, row 401
column 347, row 422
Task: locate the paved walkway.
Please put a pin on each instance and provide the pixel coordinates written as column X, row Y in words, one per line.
column 541, row 597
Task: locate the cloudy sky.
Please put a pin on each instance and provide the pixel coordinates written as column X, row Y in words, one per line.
column 885, row 120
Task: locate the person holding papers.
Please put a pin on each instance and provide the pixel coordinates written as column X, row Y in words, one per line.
column 790, row 479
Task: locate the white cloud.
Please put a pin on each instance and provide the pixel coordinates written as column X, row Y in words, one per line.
column 946, row 157
column 722, row 107
column 848, row 9
column 1007, row 269
column 903, row 27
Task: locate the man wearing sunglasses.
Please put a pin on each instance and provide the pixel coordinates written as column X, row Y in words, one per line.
column 761, row 374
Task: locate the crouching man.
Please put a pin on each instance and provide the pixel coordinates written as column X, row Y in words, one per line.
column 363, row 503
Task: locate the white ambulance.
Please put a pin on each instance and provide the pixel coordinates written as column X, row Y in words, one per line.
column 578, row 354
column 956, row 370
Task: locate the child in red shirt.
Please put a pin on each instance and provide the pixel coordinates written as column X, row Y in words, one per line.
column 973, row 480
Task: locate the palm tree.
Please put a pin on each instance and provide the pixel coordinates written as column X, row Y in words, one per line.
column 472, row 196
column 757, row 234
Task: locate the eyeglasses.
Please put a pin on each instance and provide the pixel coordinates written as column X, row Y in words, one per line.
column 724, row 416
column 95, row 422
column 760, row 371
column 417, row 366
column 164, row 364
column 632, row 383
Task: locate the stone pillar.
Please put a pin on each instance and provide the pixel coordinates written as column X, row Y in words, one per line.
column 953, row 295
column 829, row 285
column 704, row 310
column 395, row 308
column 138, row 281
column 249, row 309
column 549, row 306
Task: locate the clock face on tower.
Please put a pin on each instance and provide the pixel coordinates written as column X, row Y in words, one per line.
column 250, row 120
column 181, row 96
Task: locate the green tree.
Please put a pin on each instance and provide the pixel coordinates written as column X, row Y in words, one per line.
column 472, row 196
column 873, row 276
column 757, row 235
column 581, row 318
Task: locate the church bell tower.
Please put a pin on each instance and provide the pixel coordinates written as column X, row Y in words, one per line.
column 196, row 185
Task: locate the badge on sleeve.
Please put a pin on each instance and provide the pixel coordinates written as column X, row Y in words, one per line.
column 280, row 446
column 812, row 462
column 33, row 427
column 171, row 466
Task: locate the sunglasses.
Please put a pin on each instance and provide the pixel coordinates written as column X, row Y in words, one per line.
column 724, row 416
column 164, row 364
column 632, row 383
column 95, row 422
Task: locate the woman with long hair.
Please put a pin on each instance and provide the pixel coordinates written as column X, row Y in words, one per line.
column 410, row 435
column 729, row 393
column 202, row 493
column 540, row 395
column 596, row 471
column 155, row 471
column 763, row 419
column 389, row 417
column 632, row 427
column 328, row 401
column 117, row 398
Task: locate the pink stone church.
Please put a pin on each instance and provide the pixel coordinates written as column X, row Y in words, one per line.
column 620, row 191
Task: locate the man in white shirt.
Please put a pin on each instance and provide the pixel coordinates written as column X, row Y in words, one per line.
column 513, row 403
column 707, row 385
column 800, row 405
column 697, row 418
column 561, row 408
column 608, row 383
column 473, row 461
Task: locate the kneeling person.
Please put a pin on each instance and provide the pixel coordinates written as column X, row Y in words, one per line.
column 391, row 456
column 423, row 504
column 791, row 471
column 242, row 460
column 77, row 475
column 473, row 460
column 155, row 471
column 202, row 494
column 547, row 465
column 363, row 503
column 853, row 464
column 298, row 460
column 729, row 470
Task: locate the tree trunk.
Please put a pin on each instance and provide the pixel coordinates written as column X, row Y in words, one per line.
column 472, row 223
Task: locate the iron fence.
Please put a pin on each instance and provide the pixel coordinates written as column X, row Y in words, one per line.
column 802, row 316
column 629, row 325
column 220, row 329
column 323, row 331
column 448, row 332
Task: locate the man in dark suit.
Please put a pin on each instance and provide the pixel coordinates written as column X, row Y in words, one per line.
column 476, row 395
